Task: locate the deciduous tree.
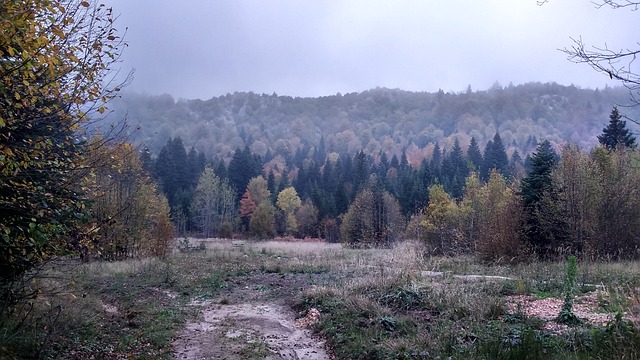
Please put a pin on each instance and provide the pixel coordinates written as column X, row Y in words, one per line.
column 55, row 64
column 441, row 223
column 213, row 203
column 289, row 201
column 374, row 219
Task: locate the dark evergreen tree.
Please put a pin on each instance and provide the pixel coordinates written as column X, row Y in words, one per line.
column 474, row 155
column 527, row 164
column 268, row 156
column 395, row 163
column 485, row 169
column 495, row 157
column 516, row 158
column 383, row 167
column 271, row 183
column 460, row 170
column 342, row 199
column 329, row 178
column 220, row 169
column 301, row 180
column 171, row 169
column 404, row 163
column 436, row 162
column 361, row 171
column 424, row 174
column 516, row 165
column 242, row 167
column 197, row 163
column 546, row 229
column 320, row 154
column 616, row 134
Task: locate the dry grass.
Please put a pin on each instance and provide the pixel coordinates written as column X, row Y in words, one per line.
column 372, row 303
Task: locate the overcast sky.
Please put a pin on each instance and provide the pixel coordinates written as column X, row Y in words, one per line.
column 206, row 48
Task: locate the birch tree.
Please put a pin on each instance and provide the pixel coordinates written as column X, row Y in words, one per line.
column 213, row 203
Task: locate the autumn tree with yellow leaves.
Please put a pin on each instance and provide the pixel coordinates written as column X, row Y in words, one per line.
column 56, row 59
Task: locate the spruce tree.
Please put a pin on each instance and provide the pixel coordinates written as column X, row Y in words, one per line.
column 172, row 171
column 436, row 163
column 616, row 134
column 242, row 167
column 546, row 227
column 495, row 157
column 460, row 170
column 474, row 155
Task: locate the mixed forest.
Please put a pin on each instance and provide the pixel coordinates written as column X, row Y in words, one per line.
column 550, row 201
column 89, row 174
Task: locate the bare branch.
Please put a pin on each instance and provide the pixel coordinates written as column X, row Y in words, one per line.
column 620, row 64
column 617, row 4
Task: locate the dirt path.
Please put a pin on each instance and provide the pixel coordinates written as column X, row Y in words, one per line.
column 247, row 330
column 251, row 319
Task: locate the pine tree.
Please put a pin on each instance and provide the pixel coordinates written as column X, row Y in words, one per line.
column 172, row 171
column 495, row 157
column 485, row 169
column 616, row 133
column 474, row 155
column 436, row 162
column 361, row 171
column 460, row 170
column 243, row 166
column 546, row 228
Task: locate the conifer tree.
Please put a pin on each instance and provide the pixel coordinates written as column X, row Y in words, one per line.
column 436, row 162
column 545, row 225
column 242, row 167
column 459, row 171
column 172, row 171
column 616, row 134
column 495, row 157
column 473, row 155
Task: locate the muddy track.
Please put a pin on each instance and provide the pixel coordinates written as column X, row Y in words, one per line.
column 247, row 330
column 247, row 323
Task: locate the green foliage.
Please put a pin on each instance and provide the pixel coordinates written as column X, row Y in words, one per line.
column 546, row 229
column 474, row 155
column 129, row 217
column 289, row 201
column 55, row 59
column 242, row 168
column 498, row 215
column 441, row 230
column 213, row 203
column 566, row 315
column 373, row 220
column 618, row 225
column 307, row 220
column 495, row 157
column 263, row 220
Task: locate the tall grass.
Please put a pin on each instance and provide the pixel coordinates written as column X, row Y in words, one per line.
column 374, row 303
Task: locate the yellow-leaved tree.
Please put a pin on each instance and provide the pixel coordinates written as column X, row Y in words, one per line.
column 55, row 71
column 289, row 201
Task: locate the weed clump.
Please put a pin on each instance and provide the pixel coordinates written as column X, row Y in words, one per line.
column 566, row 315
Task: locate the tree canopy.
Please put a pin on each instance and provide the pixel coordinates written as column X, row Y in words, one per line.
column 55, row 59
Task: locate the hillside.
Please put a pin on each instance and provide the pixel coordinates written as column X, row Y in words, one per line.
column 379, row 119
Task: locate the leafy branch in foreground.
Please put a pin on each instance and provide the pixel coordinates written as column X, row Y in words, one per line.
column 56, row 59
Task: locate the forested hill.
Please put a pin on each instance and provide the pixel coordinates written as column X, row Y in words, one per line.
column 390, row 120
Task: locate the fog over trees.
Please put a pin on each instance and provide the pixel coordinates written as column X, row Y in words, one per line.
column 387, row 120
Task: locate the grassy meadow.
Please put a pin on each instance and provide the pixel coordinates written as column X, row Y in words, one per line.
column 374, row 304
